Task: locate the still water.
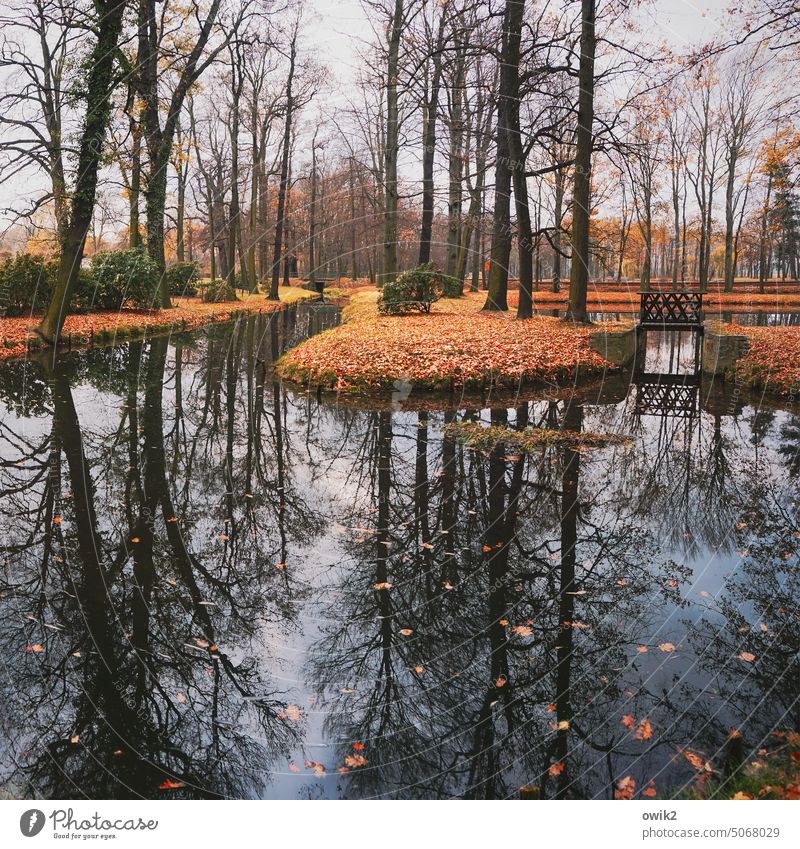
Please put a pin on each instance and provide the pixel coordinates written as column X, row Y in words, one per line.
column 214, row 585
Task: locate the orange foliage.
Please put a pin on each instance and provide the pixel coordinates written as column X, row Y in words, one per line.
column 457, row 345
column 106, row 325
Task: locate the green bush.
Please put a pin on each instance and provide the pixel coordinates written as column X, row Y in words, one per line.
column 452, row 287
column 415, row 290
column 217, row 291
column 181, row 278
column 124, row 278
column 25, row 284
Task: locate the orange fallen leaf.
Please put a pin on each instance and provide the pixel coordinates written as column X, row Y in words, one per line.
column 628, row 721
column 666, row 647
column 625, row 788
column 169, row 784
column 36, row 647
column 746, row 656
column 556, row 769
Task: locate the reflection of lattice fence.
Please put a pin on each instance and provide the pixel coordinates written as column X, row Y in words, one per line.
column 674, row 309
column 667, row 399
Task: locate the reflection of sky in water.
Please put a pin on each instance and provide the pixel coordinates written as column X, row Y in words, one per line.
column 666, row 506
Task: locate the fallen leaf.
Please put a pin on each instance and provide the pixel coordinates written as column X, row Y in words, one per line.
column 628, row 721
column 555, row 769
column 625, row 788
column 36, row 647
column 169, row 784
column 746, row 656
column 666, row 647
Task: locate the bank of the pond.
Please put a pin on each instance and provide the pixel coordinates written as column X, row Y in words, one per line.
column 603, row 299
column 456, row 346
column 17, row 336
column 772, row 363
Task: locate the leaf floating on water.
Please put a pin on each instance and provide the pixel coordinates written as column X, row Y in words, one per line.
column 746, row 656
column 447, row 585
column 700, row 764
column 384, row 585
column 358, row 747
column 667, row 647
column 74, row 739
column 36, row 647
column 522, row 630
column 56, row 520
column 563, row 725
column 555, row 769
column 625, row 788
column 419, row 669
column 293, row 713
column 406, row 632
column 650, row 790
column 501, row 681
column 293, row 767
column 642, row 649
column 355, row 761
column 504, row 622
column 180, row 697
column 628, row 721
column 740, row 795
column 318, row 768
column 169, row 784
column 644, row 731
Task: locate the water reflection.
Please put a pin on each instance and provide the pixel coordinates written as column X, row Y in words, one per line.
column 213, row 586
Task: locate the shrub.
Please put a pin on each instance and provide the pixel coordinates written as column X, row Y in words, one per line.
column 124, row 277
column 181, row 278
column 452, row 287
column 415, row 290
column 25, row 283
column 217, row 291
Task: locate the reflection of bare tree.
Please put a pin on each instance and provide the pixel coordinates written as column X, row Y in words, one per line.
column 145, row 677
column 445, row 672
column 748, row 643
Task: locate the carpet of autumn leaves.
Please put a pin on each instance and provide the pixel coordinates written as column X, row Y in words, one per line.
column 188, row 313
column 773, row 361
column 457, row 345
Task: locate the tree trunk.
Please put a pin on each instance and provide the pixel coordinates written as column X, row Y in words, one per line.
column 280, row 222
column 497, row 296
column 391, row 148
column 581, row 205
column 429, row 144
column 98, row 109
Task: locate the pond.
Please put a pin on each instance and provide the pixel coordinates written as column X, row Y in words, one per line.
column 215, row 585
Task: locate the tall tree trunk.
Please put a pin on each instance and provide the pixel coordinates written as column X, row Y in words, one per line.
column 98, row 109
column 497, row 296
column 515, row 10
column 429, row 142
column 581, row 203
column 391, row 148
column 280, row 222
